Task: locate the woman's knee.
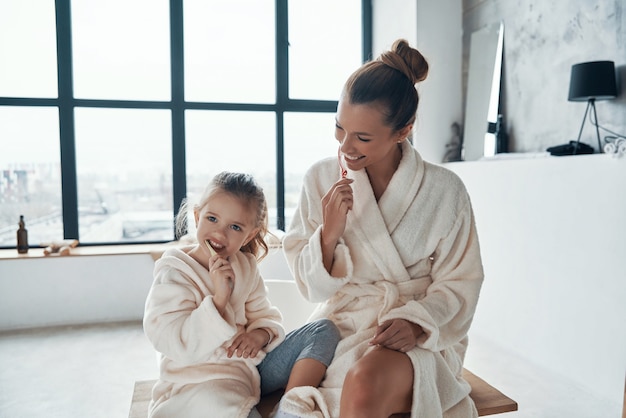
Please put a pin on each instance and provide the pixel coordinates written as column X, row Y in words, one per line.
column 381, row 381
column 364, row 379
column 360, row 395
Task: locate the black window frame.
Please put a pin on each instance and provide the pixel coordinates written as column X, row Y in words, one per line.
column 66, row 104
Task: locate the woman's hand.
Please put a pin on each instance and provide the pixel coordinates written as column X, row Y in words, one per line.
column 397, row 334
column 336, row 204
column 223, row 278
column 248, row 344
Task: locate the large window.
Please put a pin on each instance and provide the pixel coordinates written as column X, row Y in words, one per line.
column 112, row 113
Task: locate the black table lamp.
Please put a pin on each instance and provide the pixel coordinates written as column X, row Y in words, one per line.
column 591, row 81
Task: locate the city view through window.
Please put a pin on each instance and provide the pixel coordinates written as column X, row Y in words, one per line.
column 96, row 125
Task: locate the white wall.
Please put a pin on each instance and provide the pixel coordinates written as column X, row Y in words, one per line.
column 553, row 239
column 392, row 19
column 440, row 39
column 433, row 27
column 73, row 290
column 51, row 291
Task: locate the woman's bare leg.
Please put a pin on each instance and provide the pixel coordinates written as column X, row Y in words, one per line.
column 379, row 384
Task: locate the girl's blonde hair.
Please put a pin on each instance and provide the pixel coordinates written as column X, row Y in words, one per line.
column 244, row 187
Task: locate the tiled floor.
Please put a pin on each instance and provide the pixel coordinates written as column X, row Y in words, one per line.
column 89, row 372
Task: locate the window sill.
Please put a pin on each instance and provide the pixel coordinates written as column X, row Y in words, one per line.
column 155, row 250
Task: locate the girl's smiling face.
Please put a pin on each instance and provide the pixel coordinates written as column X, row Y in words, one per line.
column 226, row 222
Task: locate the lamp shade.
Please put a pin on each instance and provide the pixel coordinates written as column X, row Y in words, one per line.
column 592, row 80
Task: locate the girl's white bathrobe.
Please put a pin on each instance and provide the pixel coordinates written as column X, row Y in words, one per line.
column 197, row 379
column 414, row 255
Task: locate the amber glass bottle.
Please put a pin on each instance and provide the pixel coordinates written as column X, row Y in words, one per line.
column 22, row 237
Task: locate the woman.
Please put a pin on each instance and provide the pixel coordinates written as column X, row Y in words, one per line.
column 389, row 247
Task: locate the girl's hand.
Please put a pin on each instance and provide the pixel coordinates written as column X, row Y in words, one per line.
column 223, row 278
column 336, row 204
column 248, row 344
column 397, row 334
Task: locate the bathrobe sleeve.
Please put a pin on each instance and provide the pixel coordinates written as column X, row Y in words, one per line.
column 180, row 318
column 302, row 243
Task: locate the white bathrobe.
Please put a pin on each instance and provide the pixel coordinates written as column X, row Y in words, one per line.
column 414, row 255
column 197, row 379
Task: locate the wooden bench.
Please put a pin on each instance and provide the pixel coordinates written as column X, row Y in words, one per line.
column 488, row 399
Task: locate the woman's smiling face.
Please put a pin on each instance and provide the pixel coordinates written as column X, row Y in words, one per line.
column 364, row 138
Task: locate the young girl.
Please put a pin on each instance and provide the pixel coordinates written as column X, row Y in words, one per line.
column 209, row 317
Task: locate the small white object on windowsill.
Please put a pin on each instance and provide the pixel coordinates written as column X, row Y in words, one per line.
column 616, row 149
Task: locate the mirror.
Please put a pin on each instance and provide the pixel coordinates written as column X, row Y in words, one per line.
column 483, row 92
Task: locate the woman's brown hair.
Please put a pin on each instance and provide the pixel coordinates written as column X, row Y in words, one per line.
column 390, row 80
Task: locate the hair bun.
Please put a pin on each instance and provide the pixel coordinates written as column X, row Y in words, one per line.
column 407, row 60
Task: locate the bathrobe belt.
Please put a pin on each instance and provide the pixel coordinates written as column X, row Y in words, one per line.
column 393, row 294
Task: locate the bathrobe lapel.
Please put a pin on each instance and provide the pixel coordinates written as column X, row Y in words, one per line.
column 374, row 222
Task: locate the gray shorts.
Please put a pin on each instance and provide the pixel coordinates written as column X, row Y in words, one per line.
column 316, row 340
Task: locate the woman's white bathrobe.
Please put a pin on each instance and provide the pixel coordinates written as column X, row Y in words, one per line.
column 414, row 255
column 197, row 379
